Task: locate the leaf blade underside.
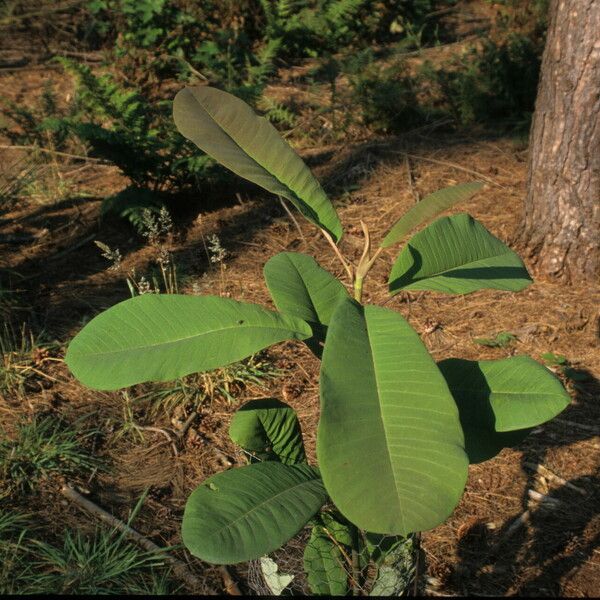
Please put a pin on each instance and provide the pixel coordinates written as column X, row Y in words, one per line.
column 457, row 255
column 157, row 337
column 389, row 443
column 227, row 129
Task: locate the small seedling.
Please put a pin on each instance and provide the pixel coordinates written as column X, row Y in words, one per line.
column 564, row 366
column 397, row 431
column 555, row 360
column 502, row 340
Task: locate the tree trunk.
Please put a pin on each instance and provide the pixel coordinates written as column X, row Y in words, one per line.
column 561, row 228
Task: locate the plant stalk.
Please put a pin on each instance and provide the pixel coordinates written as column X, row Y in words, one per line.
column 293, row 218
column 364, row 264
column 417, row 541
column 346, row 265
column 355, row 574
column 358, row 288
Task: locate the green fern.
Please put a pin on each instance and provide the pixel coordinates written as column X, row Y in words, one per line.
column 341, row 12
column 276, row 112
column 229, row 63
column 259, row 73
column 494, row 83
column 137, row 135
column 131, row 204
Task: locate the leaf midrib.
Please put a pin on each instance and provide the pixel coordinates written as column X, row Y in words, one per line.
column 468, row 264
column 251, row 156
column 218, row 531
column 185, row 339
column 380, row 413
column 479, row 391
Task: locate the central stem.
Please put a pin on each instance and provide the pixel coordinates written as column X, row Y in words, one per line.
column 358, row 288
column 356, row 274
column 364, row 264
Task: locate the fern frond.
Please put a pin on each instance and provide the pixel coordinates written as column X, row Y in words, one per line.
column 340, row 12
column 286, row 8
column 276, row 112
column 259, row 73
column 270, row 12
column 131, row 204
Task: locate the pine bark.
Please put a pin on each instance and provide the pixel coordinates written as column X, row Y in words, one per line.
column 561, row 226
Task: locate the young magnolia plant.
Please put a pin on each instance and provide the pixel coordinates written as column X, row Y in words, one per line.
column 397, row 431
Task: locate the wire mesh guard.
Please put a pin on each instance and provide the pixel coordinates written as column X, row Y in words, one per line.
column 324, row 560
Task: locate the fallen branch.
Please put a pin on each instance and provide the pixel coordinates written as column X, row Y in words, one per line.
column 16, row 63
column 21, row 238
column 45, row 67
column 162, row 432
column 522, row 520
column 75, row 246
column 38, row 372
column 543, row 498
column 449, row 164
column 40, row 13
column 548, row 474
column 591, row 428
column 180, row 433
column 98, row 161
column 86, row 56
column 179, row 567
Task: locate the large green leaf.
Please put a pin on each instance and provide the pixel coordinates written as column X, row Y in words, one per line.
column 389, row 443
column 161, row 337
column 227, row 129
column 429, row 207
column 269, row 428
column 301, row 288
column 499, row 401
column 457, row 255
column 245, row 513
column 324, row 565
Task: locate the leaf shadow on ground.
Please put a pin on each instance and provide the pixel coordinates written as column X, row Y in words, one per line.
column 61, row 275
column 546, row 541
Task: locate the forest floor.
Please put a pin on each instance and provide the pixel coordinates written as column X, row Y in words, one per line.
column 500, row 540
